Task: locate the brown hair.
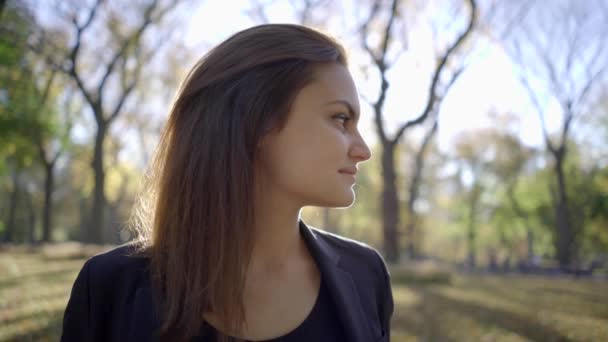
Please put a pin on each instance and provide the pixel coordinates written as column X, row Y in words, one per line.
column 194, row 218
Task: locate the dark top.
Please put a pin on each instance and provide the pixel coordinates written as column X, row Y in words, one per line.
column 113, row 300
column 322, row 324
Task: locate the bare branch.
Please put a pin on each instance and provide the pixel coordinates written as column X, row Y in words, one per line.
column 591, row 76
column 387, row 34
column 258, row 11
column 432, row 96
column 134, row 37
column 379, row 61
column 567, row 122
column 523, row 12
column 573, row 48
column 123, row 97
column 454, row 78
column 73, row 55
column 539, row 110
column 39, row 46
column 548, row 64
column 46, row 90
column 364, row 31
column 129, row 86
column 567, row 87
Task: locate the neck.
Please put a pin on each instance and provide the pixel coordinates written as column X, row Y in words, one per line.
column 277, row 239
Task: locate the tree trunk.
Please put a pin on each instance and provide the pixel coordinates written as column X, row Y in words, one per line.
column 412, row 253
column 2, row 5
column 390, row 204
column 31, row 218
column 12, row 214
column 109, row 235
column 414, row 191
column 524, row 216
column 471, row 254
column 412, row 216
column 530, row 241
column 472, row 229
column 83, row 205
column 47, row 214
column 97, row 218
column 565, row 242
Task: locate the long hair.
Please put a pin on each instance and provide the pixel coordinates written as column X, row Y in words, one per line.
column 195, row 217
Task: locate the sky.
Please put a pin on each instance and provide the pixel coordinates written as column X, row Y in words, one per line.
column 488, row 84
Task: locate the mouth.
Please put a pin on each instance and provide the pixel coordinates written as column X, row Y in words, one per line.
column 349, row 171
column 352, row 176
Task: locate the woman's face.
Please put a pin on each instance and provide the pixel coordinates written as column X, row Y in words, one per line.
column 311, row 160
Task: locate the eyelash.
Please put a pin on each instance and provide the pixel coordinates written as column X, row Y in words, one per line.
column 343, row 116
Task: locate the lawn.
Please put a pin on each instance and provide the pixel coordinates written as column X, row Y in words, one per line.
column 502, row 308
column 35, row 284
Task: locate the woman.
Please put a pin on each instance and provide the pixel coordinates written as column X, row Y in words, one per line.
column 264, row 124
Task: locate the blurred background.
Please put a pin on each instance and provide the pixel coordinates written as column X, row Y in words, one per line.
column 487, row 192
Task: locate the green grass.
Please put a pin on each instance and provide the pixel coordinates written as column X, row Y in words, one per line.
column 34, row 288
column 429, row 306
column 501, row 308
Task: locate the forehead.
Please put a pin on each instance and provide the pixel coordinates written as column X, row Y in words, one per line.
column 330, row 82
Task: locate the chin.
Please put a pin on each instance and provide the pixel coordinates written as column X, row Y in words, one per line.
column 349, row 199
column 342, row 199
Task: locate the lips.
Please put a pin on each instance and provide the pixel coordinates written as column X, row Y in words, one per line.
column 349, row 170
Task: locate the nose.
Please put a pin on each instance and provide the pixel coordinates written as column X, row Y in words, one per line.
column 359, row 149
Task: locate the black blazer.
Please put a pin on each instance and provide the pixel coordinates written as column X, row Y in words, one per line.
column 112, row 300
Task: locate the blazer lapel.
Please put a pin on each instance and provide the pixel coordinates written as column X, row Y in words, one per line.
column 341, row 286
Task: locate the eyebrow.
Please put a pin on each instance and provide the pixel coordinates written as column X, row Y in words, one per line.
column 351, row 111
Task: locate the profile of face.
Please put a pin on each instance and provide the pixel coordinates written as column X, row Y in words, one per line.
column 311, row 160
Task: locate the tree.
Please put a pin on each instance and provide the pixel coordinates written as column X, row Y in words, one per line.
column 24, row 113
column 414, row 190
column 19, row 116
column 561, row 50
column 306, row 12
column 474, row 155
column 379, row 57
column 110, row 82
column 509, row 165
column 50, row 148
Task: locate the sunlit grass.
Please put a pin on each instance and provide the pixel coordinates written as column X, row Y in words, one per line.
column 34, row 288
column 502, row 308
column 35, row 285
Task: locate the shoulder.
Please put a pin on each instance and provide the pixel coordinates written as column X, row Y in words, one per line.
column 118, row 267
column 348, row 248
column 121, row 258
column 102, row 295
column 354, row 254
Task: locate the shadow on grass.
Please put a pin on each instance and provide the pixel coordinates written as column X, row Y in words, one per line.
column 592, row 297
column 415, row 323
column 20, row 312
column 60, row 291
column 50, row 331
column 522, row 296
column 42, row 276
column 522, row 325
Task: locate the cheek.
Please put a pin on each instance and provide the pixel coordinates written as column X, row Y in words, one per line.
column 307, row 168
column 312, row 150
column 284, row 158
column 318, row 151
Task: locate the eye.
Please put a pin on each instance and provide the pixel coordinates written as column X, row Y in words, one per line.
column 342, row 117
